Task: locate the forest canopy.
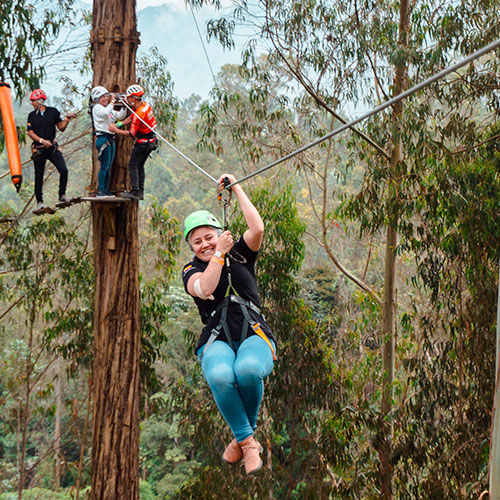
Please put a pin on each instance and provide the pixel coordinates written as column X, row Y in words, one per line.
column 378, row 271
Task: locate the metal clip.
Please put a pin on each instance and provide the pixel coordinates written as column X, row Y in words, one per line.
column 223, row 193
column 224, row 198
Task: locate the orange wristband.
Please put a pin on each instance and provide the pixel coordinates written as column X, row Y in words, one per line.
column 218, row 259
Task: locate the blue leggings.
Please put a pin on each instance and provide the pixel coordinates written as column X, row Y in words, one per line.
column 106, row 160
column 237, row 381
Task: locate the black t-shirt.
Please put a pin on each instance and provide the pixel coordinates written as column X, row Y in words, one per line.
column 44, row 124
column 243, row 278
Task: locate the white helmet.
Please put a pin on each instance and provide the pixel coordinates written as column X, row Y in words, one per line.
column 134, row 90
column 97, row 92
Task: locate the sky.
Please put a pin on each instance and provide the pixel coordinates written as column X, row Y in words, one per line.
column 167, row 24
column 179, row 4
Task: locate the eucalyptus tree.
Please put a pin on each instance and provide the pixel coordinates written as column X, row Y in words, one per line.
column 26, row 32
column 44, row 291
column 349, row 54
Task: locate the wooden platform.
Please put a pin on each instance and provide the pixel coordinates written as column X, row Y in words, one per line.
column 62, row 205
column 115, row 199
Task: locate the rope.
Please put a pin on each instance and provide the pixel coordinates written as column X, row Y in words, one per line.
column 394, row 100
column 168, row 143
column 57, row 52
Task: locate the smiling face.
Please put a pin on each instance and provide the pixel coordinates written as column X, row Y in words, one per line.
column 105, row 99
column 203, row 241
column 133, row 101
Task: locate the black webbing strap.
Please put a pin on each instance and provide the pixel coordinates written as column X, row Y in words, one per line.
column 222, row 324
column 103, row 148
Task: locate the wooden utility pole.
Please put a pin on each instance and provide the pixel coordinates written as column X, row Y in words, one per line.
column 115, row 443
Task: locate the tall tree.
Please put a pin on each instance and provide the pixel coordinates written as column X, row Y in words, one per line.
column 26, row 32
column 354, row 51
column 115, row 444
column 400, row 85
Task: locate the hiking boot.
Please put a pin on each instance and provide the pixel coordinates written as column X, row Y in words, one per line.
column 251, row 449
column 41, row 208
column 64, row 199
column 232, row 454
column 133, row 195
column 104, row 195
column 141, row 195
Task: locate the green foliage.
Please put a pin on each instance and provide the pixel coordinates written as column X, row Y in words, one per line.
column 319, row 288
column 255, row 106
column 26, row 32
column 164, row 230
column 461, row 226
column 37, row 494
column 38, row 259
column 158, row 86
column 282, row 249
column 163, row 455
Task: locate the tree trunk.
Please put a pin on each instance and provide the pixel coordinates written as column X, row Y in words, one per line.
column 115, row 442
column 388, row 364
column 26, row 411
column 400, row 84
column 57, row 426
column 495, row 424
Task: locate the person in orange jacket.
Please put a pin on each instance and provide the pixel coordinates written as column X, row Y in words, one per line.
column 142, row 129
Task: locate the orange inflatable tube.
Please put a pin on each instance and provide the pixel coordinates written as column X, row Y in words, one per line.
column 9, row 126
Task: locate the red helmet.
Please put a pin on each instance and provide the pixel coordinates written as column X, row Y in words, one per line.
column 134, row 90
column 38, row 94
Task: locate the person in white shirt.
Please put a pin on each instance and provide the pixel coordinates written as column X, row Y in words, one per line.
column 103, row 116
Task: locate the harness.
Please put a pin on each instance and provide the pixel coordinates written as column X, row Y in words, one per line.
column 110, row 139
column 38, row 149
column 144, row 138
column 231, row 295
column 148, row 141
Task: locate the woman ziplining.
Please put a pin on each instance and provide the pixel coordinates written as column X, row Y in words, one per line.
column 236, row 347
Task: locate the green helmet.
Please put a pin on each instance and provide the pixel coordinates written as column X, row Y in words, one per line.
column 198, row 219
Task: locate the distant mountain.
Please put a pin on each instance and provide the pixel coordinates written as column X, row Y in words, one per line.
column 174, row 32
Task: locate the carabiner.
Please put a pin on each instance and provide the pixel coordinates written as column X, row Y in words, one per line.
column 224, row 198
column 223, row 193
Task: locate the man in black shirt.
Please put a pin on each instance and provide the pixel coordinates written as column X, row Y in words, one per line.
column 42, row 123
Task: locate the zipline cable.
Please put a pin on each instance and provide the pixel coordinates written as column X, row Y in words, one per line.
column 202, row 43
column 394, row 100
column 168, row 143
column 211, row 70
